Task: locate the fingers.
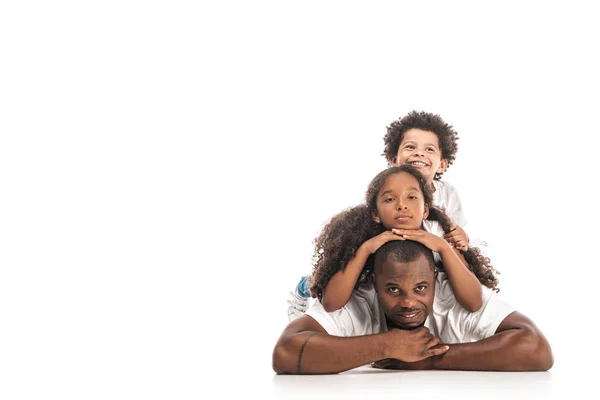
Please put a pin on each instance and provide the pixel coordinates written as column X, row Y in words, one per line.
column 385, row 363
column 433, row 347
column 436, row 351
column 393, row 236
column 461, row 245
column 411, row 234
column 458, row 241
column 434, row 341
column 455, row 235
column 450, row 235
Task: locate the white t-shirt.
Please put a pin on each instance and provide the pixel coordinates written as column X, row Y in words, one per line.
column 446, row 198
column 448, row 320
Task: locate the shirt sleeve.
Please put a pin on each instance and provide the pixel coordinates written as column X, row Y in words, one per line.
column 360, row 316
column 490, row 316
column 457, row 325
column 335, row 323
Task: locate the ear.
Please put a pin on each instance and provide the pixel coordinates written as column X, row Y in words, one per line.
column 426, row 213
column 376, row 217
column 443, row 166
column 393, row 162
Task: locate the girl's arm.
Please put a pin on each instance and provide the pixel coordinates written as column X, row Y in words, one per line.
column 465, row 285
column 339, row 288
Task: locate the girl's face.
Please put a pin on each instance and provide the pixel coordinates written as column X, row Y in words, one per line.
column 400, row 203
column 421, row 150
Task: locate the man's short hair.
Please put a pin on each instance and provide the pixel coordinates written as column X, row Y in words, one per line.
column 403, row 251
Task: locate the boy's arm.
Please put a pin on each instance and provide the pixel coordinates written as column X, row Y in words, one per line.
column 305, row 348
column 458, row 238
column 518, row 345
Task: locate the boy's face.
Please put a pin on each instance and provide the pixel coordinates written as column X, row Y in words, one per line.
column 421, row 149
column 400, row 203
column 405, row 291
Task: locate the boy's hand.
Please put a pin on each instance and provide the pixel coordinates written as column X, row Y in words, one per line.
column 376, row 242
column 458, row 238
column 433, row 242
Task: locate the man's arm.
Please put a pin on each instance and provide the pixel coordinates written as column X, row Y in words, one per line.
column 306, row 348
column 518, row 345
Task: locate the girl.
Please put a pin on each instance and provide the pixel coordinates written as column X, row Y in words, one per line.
column 397, row 202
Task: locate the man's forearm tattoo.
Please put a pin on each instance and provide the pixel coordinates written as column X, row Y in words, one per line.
column 299, row 363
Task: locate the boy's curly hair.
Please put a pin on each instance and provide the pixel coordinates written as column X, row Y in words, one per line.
column 446, row 134
column 347, row 231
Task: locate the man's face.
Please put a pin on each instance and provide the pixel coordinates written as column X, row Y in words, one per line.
column 405, row 291
column 421, row 149
column 400, row 203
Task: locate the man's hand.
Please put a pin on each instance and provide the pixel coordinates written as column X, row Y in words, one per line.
column 392, row 363
column 457, row 237
column 433, row 242
column 415, row 345
column 376, row 242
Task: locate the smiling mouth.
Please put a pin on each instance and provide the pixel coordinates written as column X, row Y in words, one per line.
column 417, row 164
column 408, row 321
column 409, row 315
column 408, row 318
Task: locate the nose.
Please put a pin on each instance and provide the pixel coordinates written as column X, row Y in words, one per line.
column 407, row 301
column 400, row 205
column 418, row 153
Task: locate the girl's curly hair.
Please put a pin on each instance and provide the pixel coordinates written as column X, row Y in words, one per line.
column 446, row 134
column 339, row 240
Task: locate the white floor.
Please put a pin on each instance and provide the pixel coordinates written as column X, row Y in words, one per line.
column 452, row 384
column 366, row 382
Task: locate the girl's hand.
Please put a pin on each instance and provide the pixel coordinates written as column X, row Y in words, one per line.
column 457, row 237
column 434, row 243
column 376, row 242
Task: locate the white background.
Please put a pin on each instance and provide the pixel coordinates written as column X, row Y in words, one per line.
column 165, row 166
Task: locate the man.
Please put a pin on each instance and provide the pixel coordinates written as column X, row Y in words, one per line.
column 408, row 318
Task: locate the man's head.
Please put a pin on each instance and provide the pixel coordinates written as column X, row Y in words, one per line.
column 422, row 140
column 404, row 278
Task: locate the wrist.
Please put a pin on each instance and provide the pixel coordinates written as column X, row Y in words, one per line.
column 435, row 362
column 365, row 249
column 445, row 249
column 387, row 345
